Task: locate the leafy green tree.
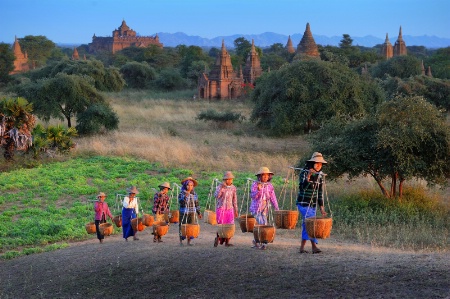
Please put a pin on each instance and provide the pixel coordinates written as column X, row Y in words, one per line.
column 138, row 75
column 434, row 90
column 170, row 79
column 303, row 94
column 346, row 42
column 16, row 123
column 439, row 63
column 6, row 62
column 196, row 69
column 191, row 55
column 64, row 96
column 105, row 79
column 97, row 117
column 272, row 61
column 242, row 48
column 38, row 48
column 398, row 66
column 389, row 144
column 53, row 139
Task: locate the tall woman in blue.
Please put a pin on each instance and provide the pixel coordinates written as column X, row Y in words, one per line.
column 310, row 195
column 129, row 212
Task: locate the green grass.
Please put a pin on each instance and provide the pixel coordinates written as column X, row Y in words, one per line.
column 418, row 221
column 45, row 207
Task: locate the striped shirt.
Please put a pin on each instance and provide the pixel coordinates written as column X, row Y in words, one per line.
column 188, row 203
column 310, row 189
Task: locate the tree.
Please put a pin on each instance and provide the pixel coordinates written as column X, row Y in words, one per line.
column 439, row 63
column 398, row 66
column 305, row 93
column 390, row 144
column 105, row 79
column 138, row 75
column 170, row 79
column 16, row 123
column 346, row 42
column 434, row 90
column 64, row 96
column 97, row 117
column 6, row 62
column 38, row 48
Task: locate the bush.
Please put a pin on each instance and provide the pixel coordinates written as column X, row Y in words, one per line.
column 220, row 117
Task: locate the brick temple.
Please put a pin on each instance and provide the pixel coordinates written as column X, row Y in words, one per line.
column 122, row 38
column 21, row 61
column 399, row 48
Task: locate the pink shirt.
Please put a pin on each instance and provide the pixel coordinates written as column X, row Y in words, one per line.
column 262, row 198
column 101, row 209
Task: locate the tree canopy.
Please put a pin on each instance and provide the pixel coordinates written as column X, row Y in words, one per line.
column 390, row 144
column 38, row 48
column 6, row 62
column 303, row 94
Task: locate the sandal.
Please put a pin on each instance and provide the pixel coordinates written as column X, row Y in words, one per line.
column 317, row 251
column 216, row 242
column 303, row 251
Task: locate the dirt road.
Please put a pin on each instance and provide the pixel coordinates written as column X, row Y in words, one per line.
column 143, row 269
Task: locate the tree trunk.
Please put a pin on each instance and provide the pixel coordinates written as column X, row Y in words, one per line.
column 394, row 184
column 69, row 122
column 383, row 190
column 9, row 149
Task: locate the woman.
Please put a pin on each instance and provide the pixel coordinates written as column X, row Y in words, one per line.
column 189, row 206
column 262, row 195
column 101, row 211
column 226, row 209
column 161, row 205
column 310, row 195
column 129, row 212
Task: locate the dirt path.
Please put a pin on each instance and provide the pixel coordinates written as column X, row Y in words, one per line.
column 143, row 269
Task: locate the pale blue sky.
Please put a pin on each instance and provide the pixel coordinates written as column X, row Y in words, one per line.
column 72, row 21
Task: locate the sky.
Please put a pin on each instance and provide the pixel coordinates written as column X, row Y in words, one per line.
column 76, row 21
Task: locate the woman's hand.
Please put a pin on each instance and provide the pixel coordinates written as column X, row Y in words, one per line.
column 322, row 211
column 200, row 216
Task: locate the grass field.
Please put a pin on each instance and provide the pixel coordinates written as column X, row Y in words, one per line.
column 159, row 139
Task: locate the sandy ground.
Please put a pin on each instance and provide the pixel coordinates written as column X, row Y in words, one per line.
column 144, row 269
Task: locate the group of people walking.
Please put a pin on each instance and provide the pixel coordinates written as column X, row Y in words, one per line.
column 262, row 194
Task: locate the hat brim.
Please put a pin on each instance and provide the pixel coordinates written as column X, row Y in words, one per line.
column 319, row 160
column 190, row 179
column 259, row 173
column 162, row 186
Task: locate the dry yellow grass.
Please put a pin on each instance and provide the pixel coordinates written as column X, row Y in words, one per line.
column 167, row 132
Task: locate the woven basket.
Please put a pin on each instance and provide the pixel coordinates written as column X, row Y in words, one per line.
column 264, row 233
column 137, row 224
column 106, row 229
column 286, row 219
column 161, row 217
column 319, row 227
column 209, row 217
column 147, row 220
column 118, row 220
column 226, row 230
column 160, row 228
column 190, row 230
column 247, row 222
column 174, row 216
column 90, row 228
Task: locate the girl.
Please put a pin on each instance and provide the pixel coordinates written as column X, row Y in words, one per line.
column 129, row 212
column 101, row 211
column 160, row 205
column 226, row 209
column 189, row 205
column 262, row 194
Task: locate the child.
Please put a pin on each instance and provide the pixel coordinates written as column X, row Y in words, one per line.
column 226, row 209
column 189, row 206
column 129, row 212
column 101, row 210
column 262, row 195
column 160, row 205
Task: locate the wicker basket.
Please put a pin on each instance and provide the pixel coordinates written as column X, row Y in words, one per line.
column 247, row 222
column 147, row 220
column 160, row 228
column 174, row 216
column 137, row 224
column 209, row 217
column 118, row 220
column 90, row 228
column 286, row 219
column 106, row 229
column 226, row 230
column 319, row 227
column 190, row 230
column 264, row 233
column 160, row 217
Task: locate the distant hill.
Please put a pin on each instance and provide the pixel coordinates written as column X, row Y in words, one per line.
column 267, row 39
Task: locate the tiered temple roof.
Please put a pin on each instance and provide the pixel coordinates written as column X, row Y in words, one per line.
column 252, row 68
column 400, row 46
column 387, row 51
column 307, row 46
column 289, row 46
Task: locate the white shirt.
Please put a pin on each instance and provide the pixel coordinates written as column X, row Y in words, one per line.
column 130, row 205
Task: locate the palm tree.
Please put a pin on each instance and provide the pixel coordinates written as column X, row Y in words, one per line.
column 16, row 124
